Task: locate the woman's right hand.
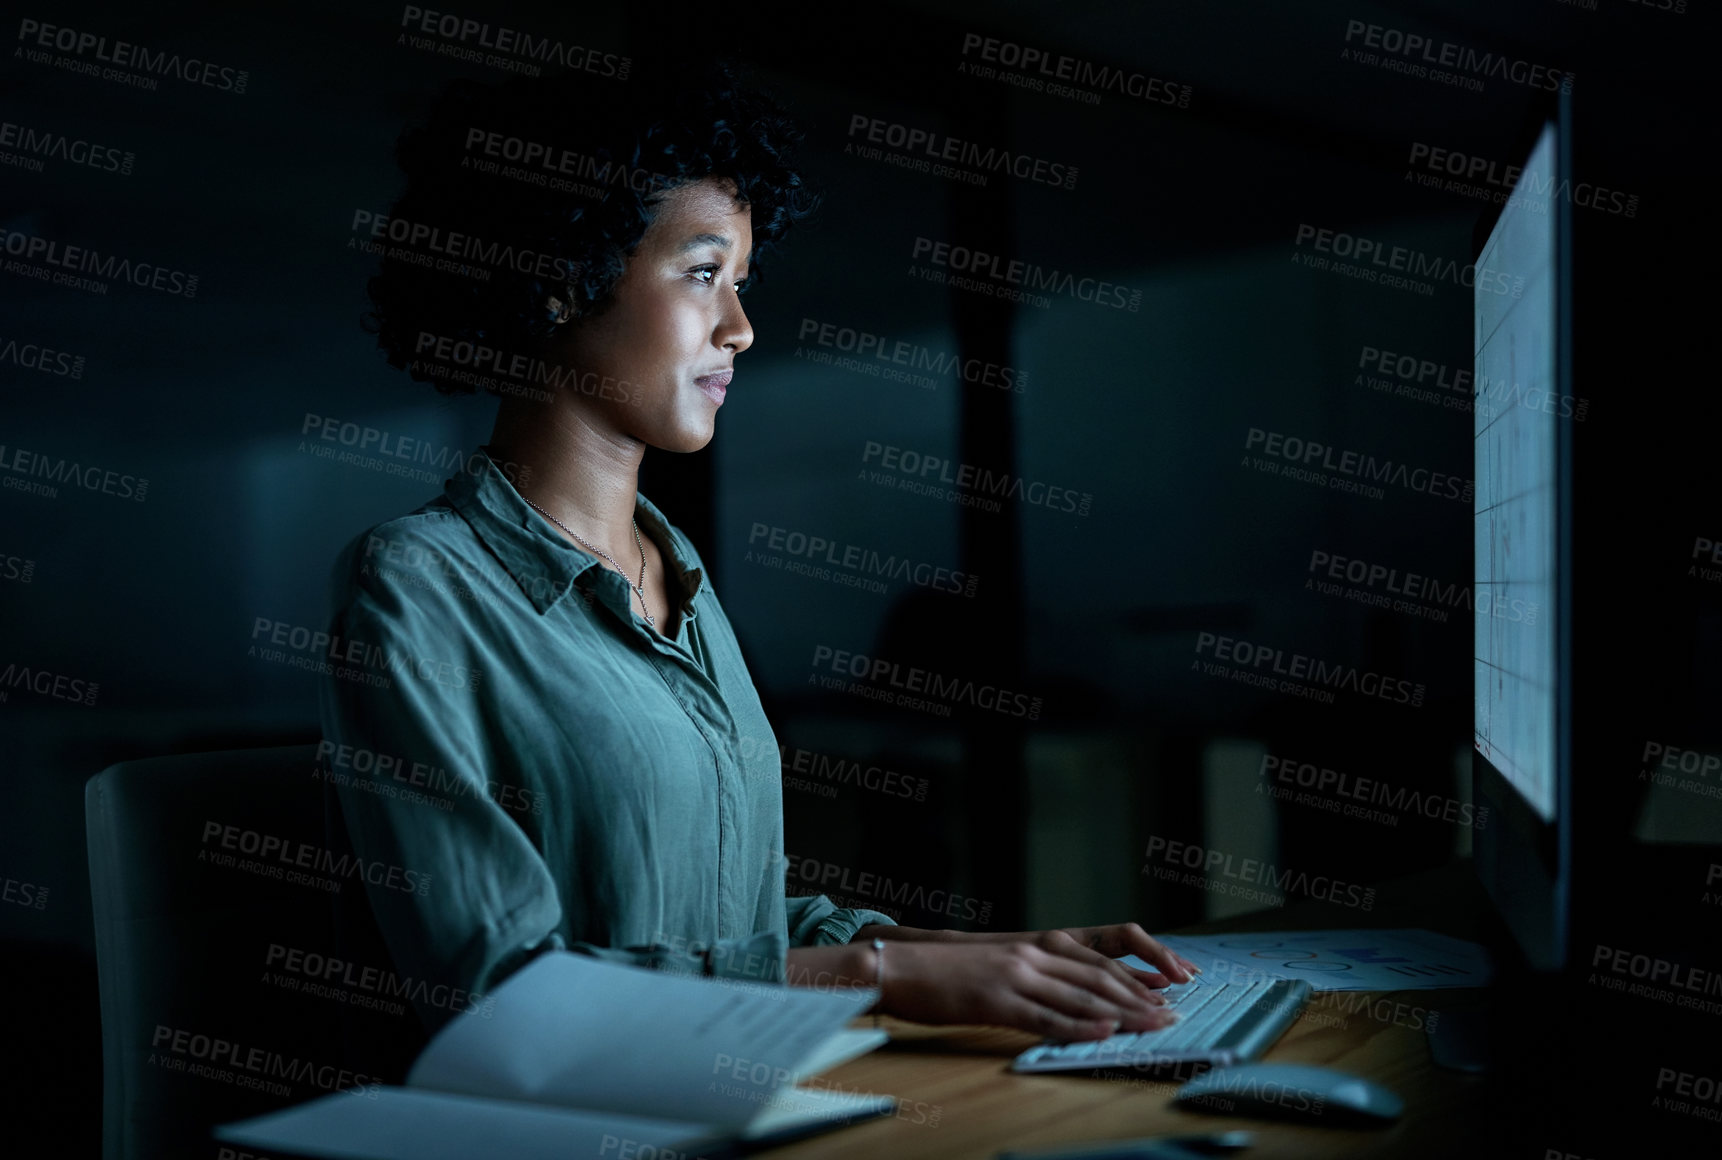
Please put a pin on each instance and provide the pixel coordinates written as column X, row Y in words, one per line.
column 1014, row 984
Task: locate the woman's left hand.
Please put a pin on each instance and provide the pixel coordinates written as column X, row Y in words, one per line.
column 1100, row 945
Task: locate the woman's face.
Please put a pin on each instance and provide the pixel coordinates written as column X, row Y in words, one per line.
column 653, row 366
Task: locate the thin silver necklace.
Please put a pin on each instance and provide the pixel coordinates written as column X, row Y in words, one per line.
column 640, row 588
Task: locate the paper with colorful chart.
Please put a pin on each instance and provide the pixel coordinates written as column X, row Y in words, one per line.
column 1335, row 960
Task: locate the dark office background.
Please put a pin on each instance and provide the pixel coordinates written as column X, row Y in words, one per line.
column 1147, row 411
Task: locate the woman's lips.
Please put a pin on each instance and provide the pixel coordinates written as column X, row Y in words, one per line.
column 715, row 386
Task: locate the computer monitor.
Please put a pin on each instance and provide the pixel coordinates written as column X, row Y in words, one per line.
column 1522, row 451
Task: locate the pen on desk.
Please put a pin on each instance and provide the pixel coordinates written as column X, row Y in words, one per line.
column 1147, row 1148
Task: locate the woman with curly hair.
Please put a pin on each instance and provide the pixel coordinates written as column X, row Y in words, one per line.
column 573, row 751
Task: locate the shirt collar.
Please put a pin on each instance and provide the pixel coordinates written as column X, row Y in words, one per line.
column 535, row 554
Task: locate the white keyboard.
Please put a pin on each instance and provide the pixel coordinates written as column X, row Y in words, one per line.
column 1219, row 1024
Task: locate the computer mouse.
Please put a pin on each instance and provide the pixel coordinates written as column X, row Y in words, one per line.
column 1294, row 1091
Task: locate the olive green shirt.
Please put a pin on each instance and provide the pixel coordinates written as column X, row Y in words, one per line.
column 539, row 769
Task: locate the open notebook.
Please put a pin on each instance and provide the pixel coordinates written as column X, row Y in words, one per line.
column 585, row 1058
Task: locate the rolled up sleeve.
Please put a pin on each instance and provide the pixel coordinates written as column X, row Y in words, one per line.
column 814, row 920
column 760, row 957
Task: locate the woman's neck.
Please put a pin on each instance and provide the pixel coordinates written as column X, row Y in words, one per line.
column 584, row 474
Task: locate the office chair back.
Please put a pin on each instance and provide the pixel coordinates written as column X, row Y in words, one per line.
column 213, row 890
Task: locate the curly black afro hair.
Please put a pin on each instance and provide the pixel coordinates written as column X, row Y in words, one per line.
column 535, row 191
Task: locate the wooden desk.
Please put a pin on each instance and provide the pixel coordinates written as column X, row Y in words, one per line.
column 958, row 1100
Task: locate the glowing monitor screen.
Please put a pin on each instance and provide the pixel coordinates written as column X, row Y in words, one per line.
column 1515, row 509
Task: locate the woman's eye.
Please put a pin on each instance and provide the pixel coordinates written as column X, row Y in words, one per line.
column 707, row 276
